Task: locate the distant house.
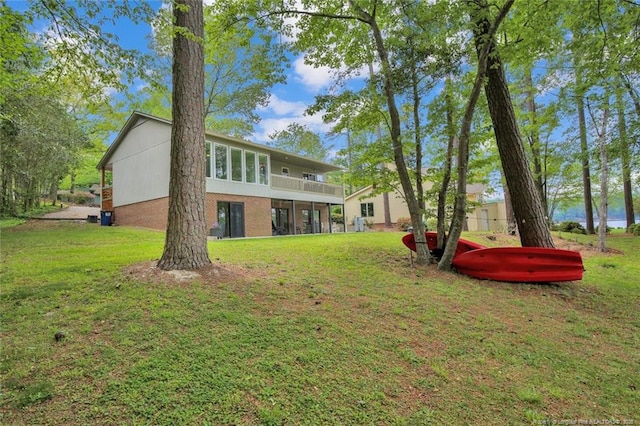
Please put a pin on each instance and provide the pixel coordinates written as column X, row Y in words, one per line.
column 485, row 217
column 251, row 189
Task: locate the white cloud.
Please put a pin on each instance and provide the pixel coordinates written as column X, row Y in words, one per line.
column 314, row 79
column 279, row 114
column 268, row 126
column 279, row 106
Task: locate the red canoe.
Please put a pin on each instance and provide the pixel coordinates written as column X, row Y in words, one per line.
column 521, row 264
column 510, row 264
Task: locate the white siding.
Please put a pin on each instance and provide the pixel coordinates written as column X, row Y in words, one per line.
column 141, row 164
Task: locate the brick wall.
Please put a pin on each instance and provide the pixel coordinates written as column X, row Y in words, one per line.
column 153, row 213
column 257, row 212
column 147, row 214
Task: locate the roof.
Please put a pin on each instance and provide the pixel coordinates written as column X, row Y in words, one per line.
column 138, row 117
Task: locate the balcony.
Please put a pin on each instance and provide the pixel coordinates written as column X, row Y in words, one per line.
column 302, row 185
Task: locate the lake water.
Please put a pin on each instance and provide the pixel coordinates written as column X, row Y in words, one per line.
column 611, row 223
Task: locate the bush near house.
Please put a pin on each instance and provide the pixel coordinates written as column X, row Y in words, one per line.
column 337, row 218
column 82, row 198
column 403, row 223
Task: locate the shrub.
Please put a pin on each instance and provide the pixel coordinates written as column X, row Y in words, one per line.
column 608, row 229
column 337, row 218
column 403, row 223
column 573, row 227
column 82, row 198
column 634, row 229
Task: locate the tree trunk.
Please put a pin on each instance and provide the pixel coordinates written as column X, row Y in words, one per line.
column 584, row 153
column 53, row 191
column 423, row 257
column 385, row 195
column 72, row 190
column 512, row 224
column 534, row 139
column 417, row 138
column 527, row 206
column 604, row 182
column 446, row 178
column 186, row 239
column 625, row 156
column 484, row 46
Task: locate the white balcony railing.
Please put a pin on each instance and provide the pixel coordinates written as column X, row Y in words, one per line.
column 302, row 185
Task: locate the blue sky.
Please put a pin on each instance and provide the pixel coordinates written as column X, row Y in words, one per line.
column 287, row 101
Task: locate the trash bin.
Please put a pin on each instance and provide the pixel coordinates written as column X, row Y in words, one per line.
column 105, row 217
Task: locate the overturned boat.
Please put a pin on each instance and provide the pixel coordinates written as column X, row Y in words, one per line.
column 510, row 264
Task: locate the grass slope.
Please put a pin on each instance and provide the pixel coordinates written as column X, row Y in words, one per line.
column 326, row 329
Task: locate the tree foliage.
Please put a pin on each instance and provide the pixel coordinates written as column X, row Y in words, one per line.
column 242, row 62
column 298, row 139
column 39, row 140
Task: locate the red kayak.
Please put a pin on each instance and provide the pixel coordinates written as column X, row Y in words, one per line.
column 432, row 243
column 510, row 264
column 521, row 264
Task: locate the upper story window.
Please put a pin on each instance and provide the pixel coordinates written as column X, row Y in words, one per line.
column 208, row 159
column 285, row 171
column 263, row 166
column 230, row 163
column 221, row 161
column 310, row 176
column 250, row 167
column 236, row 164
column 366, row 209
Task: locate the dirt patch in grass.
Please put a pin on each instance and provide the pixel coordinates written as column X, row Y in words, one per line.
column 586, row 250
column 211, row 274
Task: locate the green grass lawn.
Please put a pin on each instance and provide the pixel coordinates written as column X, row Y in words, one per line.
column 326, row 329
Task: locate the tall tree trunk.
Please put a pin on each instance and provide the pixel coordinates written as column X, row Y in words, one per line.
column 527, row 206
column 385, row 195
column 604, row 181
column 534, row 138
column 512, row 223
column 584, row 153
column 186, row 239
column 446, row 178
column 632, row 93
column 625, row 156
column 423, row 257
column 53, row 190
column 484, row 46
column 72, row 190
column 417, row 138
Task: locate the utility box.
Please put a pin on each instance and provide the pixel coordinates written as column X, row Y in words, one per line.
column 359, row 224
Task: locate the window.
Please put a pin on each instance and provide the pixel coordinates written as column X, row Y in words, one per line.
column 263, row 161
column 208, row 158
column 250, row 166
column 366, row 209
column 236, row 164
column 285, row 171
column 309, row 176
column 221, row 162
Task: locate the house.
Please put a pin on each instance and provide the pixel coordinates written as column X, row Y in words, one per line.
column 485, row 217
column 251, row 190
